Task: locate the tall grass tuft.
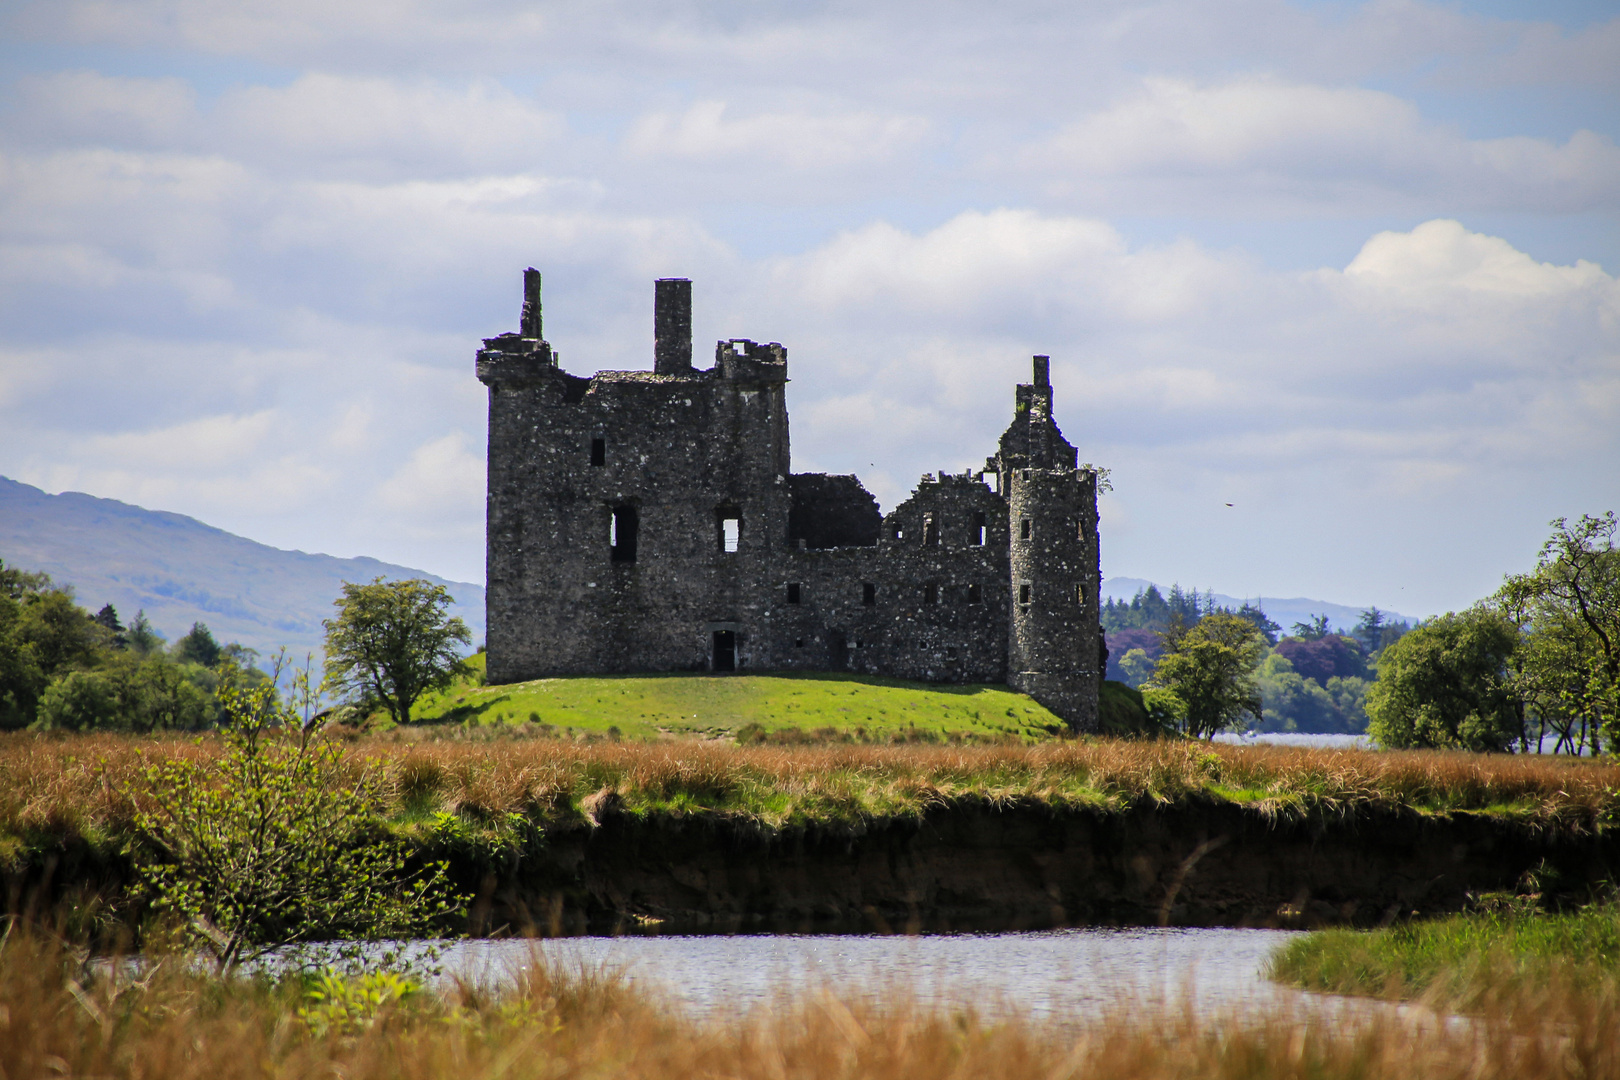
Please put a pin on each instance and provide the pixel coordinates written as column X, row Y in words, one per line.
column 62, row 1017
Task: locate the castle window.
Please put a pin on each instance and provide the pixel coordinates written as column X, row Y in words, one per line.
column 868, row 593
column 798, row 643
column 622, row 534
column 1023, row 595
column 930, row 531
column 977, row 532
column 973, row 595
column 951, row 652
column 1023, row 529
column 1080, row 593
column 930, row 593
column 730, row 531
column 598, row 451
column 793, row 592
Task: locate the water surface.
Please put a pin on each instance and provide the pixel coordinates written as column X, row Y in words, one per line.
column 1075, row 973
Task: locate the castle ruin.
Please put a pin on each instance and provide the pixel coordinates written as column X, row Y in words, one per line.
column 651, row 521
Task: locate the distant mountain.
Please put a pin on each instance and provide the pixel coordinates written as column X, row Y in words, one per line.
column 1284, row 611
column 181, row 571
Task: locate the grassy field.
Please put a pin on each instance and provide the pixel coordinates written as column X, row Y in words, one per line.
column 1463, row 960
column 717, row 706
column 60, row 1017
column 55, row 788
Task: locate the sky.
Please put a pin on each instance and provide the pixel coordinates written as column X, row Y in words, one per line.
column 1330, row 288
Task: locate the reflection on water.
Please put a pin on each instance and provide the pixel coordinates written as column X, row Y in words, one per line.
column 1077, row 973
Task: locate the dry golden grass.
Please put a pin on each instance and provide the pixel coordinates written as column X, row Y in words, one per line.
column 88, row 785
column 56, row 1021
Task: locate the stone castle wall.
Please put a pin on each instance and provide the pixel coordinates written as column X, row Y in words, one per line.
column 650, row 522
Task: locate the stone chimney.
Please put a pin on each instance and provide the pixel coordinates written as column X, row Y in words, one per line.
column 672, row 326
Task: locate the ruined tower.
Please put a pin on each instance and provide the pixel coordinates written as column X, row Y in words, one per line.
column 646, row 521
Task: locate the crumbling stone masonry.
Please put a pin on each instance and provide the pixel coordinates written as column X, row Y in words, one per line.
column 652, row 522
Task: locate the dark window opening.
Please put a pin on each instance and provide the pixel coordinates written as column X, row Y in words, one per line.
column 977, row 532
column 1023, row 529
column 973, row 595
column 868, row 593
column 725, row 650
column 1023, row 594
column 930, row 593
column 622, row 534
column 730, row 530
column 598, row 451
column 798, row 643
column 951, row 653
column 793, row 592
column 930, row 531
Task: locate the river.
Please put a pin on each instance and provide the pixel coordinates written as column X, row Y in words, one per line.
column 1076, row 973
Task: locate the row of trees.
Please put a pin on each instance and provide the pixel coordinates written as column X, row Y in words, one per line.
column 66, row 669
column 1535, row 666
column 1314, row 679
column 62, row 667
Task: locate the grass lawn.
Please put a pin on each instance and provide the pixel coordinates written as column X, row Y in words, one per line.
column 646, row 706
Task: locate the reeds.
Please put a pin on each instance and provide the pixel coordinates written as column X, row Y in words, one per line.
column 88, row 786
column 59, row 1017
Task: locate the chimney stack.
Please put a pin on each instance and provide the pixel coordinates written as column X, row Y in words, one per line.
column 530, row 325
column 1043, row 371
column 672, row 326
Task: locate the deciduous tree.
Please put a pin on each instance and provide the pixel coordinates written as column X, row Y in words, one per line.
column 392, row 641
column 1568, row 608
column 1211, row 669
column 1446, row 684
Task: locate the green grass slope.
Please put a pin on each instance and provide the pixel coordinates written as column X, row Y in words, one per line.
column 646, row 706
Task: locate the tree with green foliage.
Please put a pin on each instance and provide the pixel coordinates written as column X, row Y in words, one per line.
column 1568, row 609
column 43, row 634
column 128, row 693
column 392, row 641
column 18, row 584
column 197, row 647
column 107, row 619
column 1257, row 615
column 142, row 636
column 275, row 844
column 1315, row 630
column 1446, row 684
column 1210, row 668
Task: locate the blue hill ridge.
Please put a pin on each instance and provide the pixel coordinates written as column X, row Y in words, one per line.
column 180, row 571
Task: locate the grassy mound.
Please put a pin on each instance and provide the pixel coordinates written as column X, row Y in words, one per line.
column 762, row 706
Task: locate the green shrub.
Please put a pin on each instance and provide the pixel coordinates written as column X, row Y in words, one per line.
column 78, row 701
column 275, row 844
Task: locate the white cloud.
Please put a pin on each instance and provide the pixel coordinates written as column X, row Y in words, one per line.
column 442, row 478
column 1444, row 256
column 1252, row 141
column 796, row 140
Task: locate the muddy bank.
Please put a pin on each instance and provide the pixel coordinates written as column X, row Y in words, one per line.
column 966, row 866
column 978, row 867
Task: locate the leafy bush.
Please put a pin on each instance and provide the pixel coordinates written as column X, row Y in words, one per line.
column 275, row 843
column 1445, row 684
column 79, row 701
